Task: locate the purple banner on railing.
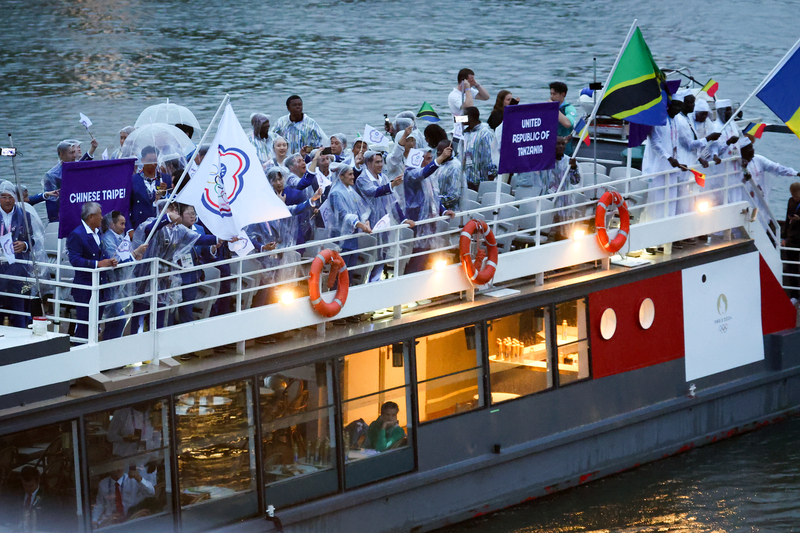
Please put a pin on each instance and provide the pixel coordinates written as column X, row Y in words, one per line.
column 106, row 182
column 529, row 137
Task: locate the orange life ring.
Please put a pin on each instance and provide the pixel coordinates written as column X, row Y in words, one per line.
column 338, row 271
column 612, row 199
column 484, row 276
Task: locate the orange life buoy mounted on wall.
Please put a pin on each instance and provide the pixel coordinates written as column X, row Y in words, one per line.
column 338, row 271
column 484, row 276
column 612, row 199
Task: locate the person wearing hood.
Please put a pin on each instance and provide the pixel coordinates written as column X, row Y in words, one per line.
column 280, row 149
column 660, row 155
column 690, row 147
column 726, row 147
column 68, row 151
column 350, row 214
column 421, row 193
column 449, row 177
column 339, row 149
column 23, row 236
column 261, row 138
column 378, row 192
column 300, row 131
column 123, row 134
column 478, row 164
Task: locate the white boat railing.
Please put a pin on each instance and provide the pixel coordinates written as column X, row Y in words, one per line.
column 533, row 235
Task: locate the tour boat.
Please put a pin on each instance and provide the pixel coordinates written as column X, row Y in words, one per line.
column 568, row 364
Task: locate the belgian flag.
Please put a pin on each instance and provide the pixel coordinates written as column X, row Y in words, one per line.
column 634, row 92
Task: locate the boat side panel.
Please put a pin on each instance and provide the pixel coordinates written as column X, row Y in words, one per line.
column 632, row 346
column 777, row 311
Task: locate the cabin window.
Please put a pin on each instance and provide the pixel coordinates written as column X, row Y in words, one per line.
column 128, row 447
column 572, row 339
column 518, row 356
column 376, row 420
column 216, row 455
column 298, row 438
column 41, row 463
column 449, row 373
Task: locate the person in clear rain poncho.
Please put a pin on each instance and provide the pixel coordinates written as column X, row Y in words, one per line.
column 339, row 149
column 378, row 193
column 349, row 213
column 123, row 134
column 261, row 137
column 27, row 243
column 421, row 203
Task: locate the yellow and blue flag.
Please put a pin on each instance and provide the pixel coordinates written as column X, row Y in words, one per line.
column 780, row 92
column 582, row 129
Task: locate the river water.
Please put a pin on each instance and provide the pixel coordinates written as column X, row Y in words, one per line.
column 354, row 60
column 745, row 484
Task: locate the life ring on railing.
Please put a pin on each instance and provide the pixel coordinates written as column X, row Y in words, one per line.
column 485, row 275
column 338, row 272
column 612, row 199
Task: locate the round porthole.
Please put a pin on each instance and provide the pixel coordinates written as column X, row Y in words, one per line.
column 647, row 313
column 608, row 323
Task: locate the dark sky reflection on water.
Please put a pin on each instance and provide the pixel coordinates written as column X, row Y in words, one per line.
column 749, row 483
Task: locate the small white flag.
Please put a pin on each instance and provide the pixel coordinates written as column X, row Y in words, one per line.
column 374, row 137
column 458, row 131
column 104, row 156
column 326, row 212
column 85, row 121
column 415, row 157
column 322, row 180
column 124, row 250
column 382, row 223
column 243, row 246
column 8, row 248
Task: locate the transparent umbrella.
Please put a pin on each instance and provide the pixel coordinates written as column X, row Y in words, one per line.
column 171, row 144
column 168, row 114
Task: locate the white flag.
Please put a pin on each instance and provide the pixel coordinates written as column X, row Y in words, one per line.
column 374, row 137
column 415, row 157
column 85, row 121
column 229, row 189
column 8, row 248
column 104, row 155
column 326, row 212
column 243, row 246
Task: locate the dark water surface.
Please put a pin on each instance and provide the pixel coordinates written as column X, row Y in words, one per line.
column 749, row 483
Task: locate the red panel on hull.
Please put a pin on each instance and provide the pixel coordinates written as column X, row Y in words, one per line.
column 777, row 311
column 632, row 347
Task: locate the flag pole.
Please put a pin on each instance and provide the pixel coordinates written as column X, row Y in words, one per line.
column 764, row 81
column 176, row 186
column 597, row 103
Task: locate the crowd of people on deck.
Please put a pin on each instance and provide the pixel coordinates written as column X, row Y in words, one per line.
column 334, row 189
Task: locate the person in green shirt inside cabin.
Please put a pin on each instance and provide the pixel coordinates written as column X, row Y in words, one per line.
column 385, row 432
column 567, row 114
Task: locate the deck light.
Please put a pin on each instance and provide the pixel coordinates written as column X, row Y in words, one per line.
column 440, row 264
column 579, row 233
column 702, row 207
column 287, row 297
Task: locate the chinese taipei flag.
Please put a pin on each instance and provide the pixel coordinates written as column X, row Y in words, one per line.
column 229, row 189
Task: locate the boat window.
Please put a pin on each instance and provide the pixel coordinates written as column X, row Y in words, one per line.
column 128, row 451
column 299, row 443
column 37, row 480
column 518, row 357
column 449, row 372
column 572, row 339
column 216, row 455
column 375, row 403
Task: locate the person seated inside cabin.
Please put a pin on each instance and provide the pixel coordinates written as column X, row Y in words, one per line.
column 385, row 433
column 36, row 507
column 119, row 495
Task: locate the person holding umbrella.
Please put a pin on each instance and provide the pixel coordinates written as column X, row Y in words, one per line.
column 149, row 185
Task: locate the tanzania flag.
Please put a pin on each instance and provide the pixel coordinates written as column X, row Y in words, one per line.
column 711, row 88
column 426, row 112
column 582, row 129
column 699, row 177
column 756, row 129
column 634, row 92
column 780, row 93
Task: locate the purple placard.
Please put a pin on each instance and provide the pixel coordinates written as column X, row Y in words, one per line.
column 529, row 137
column 106, row 182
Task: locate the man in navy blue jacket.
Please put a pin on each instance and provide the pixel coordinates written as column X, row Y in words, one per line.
column 148, row 186
column 83, row 247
